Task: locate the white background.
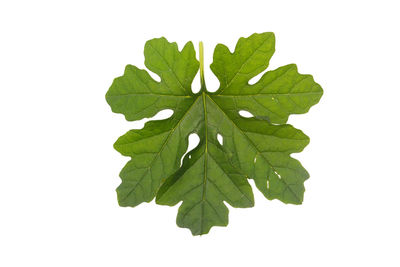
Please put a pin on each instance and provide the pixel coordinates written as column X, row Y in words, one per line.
column 59, row 171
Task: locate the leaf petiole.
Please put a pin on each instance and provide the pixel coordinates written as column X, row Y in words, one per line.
column 201, row 58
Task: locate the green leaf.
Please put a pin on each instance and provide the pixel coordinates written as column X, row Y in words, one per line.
column 258, row 148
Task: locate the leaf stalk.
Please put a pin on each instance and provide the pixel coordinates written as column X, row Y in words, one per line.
column 201, row 57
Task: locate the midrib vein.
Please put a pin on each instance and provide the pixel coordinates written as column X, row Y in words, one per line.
column 205, row 160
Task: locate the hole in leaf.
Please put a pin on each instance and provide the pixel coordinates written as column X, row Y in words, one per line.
column 279, row 176
column 220, row 139
column 194, row 140
column 267, row 184
column 245, row 114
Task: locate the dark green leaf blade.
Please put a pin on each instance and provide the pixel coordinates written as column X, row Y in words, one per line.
column 257, row 145
column 205, row 180
column 156, row 152
column 176, row 69
column 138, row 96
column 251, row 57
column 276, row 95
column 156, row 149
column 216, row 170
column 262, row 151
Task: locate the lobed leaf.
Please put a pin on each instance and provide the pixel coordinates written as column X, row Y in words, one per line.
column 258, row 148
